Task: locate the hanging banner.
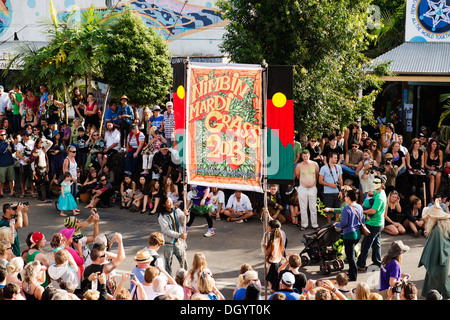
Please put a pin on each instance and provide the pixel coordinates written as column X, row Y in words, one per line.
column 224, row 126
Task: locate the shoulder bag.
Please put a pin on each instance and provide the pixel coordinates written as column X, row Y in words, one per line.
column 364, row 230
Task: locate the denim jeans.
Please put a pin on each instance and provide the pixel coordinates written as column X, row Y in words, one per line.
column 169, row 251
column 372, row 241
column 130, row 161
column 349, row 170
column 349, row 248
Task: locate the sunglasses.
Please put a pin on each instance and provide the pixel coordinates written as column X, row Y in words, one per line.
column 102, row 180
column 355, row 146
column 2, row 134
column 313, row 140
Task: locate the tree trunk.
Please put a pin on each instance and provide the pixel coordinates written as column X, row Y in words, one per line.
column 67, row 94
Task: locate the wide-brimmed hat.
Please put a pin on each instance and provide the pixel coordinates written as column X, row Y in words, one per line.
column 143, row 256
column 397, row 248
column 435, row 212
column 124, row 97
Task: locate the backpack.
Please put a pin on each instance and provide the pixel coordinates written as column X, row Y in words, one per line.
column 155, row 257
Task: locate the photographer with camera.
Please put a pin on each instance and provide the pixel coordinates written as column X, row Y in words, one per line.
column 7, row 172
column 390, row 272
column 391, row 172
column 16, row 215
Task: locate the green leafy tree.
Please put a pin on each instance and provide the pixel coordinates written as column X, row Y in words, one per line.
column 324, row 40
column 136, row 60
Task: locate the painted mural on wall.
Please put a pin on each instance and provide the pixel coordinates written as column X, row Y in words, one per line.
column 174, row 19
column 5, row 16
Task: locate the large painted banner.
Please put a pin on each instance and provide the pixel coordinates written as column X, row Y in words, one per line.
column 223, row 143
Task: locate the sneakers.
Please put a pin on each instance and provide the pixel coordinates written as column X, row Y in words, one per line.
column 209, row 234
column 289, row 190
column 239, row 221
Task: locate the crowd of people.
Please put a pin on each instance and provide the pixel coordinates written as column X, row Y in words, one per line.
column 362, row 177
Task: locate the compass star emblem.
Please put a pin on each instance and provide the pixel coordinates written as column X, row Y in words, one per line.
column 438, row 12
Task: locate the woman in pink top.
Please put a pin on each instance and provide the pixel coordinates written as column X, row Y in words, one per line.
column 31, row 101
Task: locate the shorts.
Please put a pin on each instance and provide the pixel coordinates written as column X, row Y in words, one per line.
column 7, row 173
column 331, row 200
column 200, row 210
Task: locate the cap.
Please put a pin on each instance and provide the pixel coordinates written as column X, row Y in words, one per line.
column 288, row 279
column 70, row 222
column 2, row 131
column 26, row 133
column 35, row 238
column 163, row 146
column 156, row 108
column 169, row 103
column 250, row 275
column 252, row 292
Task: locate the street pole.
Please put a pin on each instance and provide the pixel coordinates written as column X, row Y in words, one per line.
column 264, row 168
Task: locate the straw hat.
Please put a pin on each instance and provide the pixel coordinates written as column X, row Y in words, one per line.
column 435, row 212
column 143, row 256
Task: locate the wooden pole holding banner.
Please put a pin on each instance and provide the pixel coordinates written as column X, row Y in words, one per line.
column 185, row 192
column 264, row 215
column 104, row 110
column 424, row 195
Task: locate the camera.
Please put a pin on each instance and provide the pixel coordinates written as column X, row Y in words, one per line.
column 388, row 162
column 77, row 237
column 132, row 276
column 398, row 287
column 26, row 203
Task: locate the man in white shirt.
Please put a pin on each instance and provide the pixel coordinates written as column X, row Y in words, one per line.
column 218, row 202
column 112, row 141
column 239, row 208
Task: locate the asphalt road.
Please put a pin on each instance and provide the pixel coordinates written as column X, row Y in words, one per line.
column 233, row 244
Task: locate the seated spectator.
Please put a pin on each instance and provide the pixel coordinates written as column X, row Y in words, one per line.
column 140, row 197
column 154, row 196
column 392, row 225
column 239, row 208
column 352, row 158
column 414, row 221
column 333, row 146
column 90, row 183
column 81, row 143
column 135, row 144
column 127, row 189
column 155, row 141
column 439, row 198
column 162, row 164
column 218, row 202
column 101, row 194
column 273, row 203
column 96, row 145
column 112, row 142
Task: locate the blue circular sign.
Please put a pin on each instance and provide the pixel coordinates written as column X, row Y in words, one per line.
column 434, row 15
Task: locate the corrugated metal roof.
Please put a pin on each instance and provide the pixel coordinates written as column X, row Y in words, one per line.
column 420, row 58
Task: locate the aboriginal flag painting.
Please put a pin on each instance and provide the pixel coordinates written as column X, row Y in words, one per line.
column 179, row 106
column 280, row 124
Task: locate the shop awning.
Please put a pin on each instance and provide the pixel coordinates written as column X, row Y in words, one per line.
column 418, row 61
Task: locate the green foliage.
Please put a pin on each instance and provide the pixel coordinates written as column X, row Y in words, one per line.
column 136, row 60
column 323, row 39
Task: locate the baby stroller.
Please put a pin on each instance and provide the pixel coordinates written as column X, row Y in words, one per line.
column 319, row 248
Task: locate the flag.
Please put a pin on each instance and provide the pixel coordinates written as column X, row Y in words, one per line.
column 280, row 124
column 179, row 107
